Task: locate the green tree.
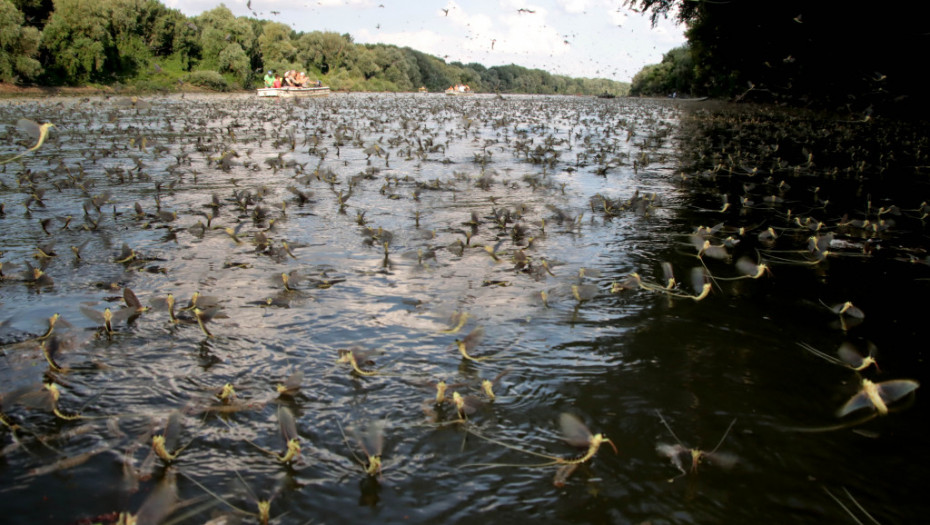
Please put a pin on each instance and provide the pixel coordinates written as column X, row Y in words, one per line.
column 324, row 51
column 675, row 74
column 234, row 60
column 19, row 45
column 431, row 70
column 132, row 25
column 218, row 29
column 77, row 40
column 393, row 66
column 362, row 62
column 174, row 35
column 277, row 50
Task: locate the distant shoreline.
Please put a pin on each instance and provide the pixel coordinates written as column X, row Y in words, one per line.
column 8, row 91
column 11, row 91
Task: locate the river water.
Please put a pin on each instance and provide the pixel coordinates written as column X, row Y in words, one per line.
column 407, row 223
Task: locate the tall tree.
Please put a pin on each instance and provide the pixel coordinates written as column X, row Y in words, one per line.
column 276, row 48
column 325, row 51
column 77, row 40
column 218, row 29
column 19, row 46
column 234, row 60
column 174, row 34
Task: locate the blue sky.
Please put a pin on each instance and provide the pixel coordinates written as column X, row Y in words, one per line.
column 578, row 38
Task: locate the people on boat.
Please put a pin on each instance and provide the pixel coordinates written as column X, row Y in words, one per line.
column 290, row 78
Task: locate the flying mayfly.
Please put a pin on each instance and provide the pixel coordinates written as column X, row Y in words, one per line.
column 33, row 129
column 679, row 453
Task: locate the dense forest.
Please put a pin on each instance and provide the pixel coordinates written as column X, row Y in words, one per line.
column 143, row 44
column 827, row 54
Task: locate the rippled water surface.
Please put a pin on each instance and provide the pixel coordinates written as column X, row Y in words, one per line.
column 396, row 215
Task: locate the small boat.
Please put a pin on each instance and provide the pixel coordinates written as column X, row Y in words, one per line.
column 319, row 91
column 457, row 93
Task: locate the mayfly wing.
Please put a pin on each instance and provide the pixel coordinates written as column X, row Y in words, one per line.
column 160, row 503
column 891, row 391
column 92, row 314
column 747, row 267
column 131, row 300
column 371, row 438
column 857, row 402
column 172, row 430
column 286, row 424
column 673, row 453
column 669, row 274
column 29, row 127
column 292, row 383
column 574, row 432
column 853, row 358
column 724, row 460
column 473, row 338
column 699, row 277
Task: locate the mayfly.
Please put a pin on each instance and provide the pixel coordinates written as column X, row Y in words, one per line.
column 355, row 357
column 34, row 129
column 288, row 429
column 165, row 445
column 469, row 342
column 291, row 385
column 45, row 398
column 848, row 356
column 677, row 452
column 574, row 433
column 370, row 439
column 878, row 395
column 458, row 320
column 263, row 506
column 157, row 506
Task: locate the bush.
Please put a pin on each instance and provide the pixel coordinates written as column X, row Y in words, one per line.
column 208, row 79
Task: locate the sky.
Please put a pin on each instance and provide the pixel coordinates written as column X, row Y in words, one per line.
column 576, row 38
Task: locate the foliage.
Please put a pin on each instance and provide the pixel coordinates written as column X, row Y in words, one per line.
column 208, row 79
column 675, row 74
column 823, row 54
column 324, row 51
column 278, row 52
column 234, row 60
column 19, row 45
column 76, row 40
column 218, row 29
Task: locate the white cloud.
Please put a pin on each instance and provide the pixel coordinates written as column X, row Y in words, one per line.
column 573, row 6
column 617, row 17
column 329, row 3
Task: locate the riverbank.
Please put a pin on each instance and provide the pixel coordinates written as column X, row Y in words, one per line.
column 14, row 91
